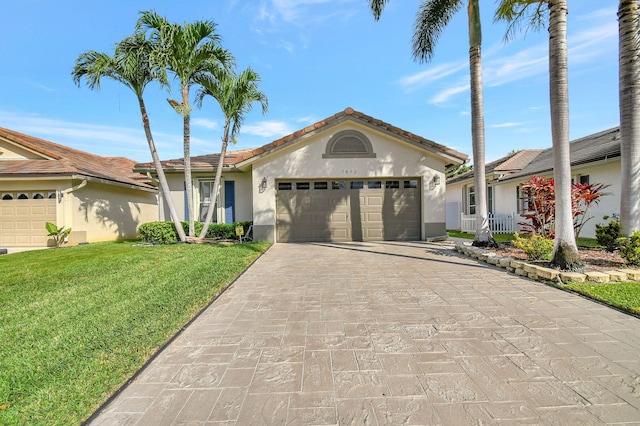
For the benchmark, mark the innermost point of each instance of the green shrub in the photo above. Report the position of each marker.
(607, 235)
(158, 233)
(630, 248)
(535, 247)
(165, 232)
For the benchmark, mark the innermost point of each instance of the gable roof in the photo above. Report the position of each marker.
(243, 157)
(59, 160)
(510, 163)
(599, 146)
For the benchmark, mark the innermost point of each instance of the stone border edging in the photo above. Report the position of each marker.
(540, 273)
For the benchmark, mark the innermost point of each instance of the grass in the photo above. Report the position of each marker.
(501, 238)
(77, 322)
(625, 296)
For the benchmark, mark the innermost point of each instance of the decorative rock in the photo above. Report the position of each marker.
(572, 276)
(632, 274)
(616, 276)
(532, 275)
(520, 271)
(597, 277)
(505, 262)
(547, 273)
(493, 260)
(530, 269)
(516, 264)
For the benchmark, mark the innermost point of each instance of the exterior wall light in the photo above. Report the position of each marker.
(436, 180)
(263, 185)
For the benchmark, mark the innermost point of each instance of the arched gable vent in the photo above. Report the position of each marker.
(349, 144)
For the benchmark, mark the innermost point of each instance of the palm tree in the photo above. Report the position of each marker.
(433, 16)
(130, 66)
(235, 95)
(629, 28)
(565, 250)
(186, 51)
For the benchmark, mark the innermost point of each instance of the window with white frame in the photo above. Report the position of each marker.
(206, 189)
(471, 200)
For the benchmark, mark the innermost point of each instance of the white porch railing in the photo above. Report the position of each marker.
(499, 224)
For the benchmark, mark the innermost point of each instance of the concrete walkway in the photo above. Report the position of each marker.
(390, 334)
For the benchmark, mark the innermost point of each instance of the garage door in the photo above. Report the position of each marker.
(23, 217)
(348, 210)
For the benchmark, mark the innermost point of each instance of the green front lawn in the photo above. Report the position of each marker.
(77, 322)
(625, 296)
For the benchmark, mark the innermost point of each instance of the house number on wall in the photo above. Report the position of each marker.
(350, 172)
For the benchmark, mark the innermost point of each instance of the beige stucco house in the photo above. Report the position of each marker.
(349, 177)
(99, 198)
(594, 159)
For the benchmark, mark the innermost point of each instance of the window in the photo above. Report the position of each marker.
(349, 144)
(411, 183)
(7, 196)
(206, 187)
(51, 195)
(338, 184)
(584, 179)
(471, 200)
(392, 184)
(522, 200)
(38, 196)
(320, 185)
(357, 184)
(284, 186)
(490, 199)
(374, 184)
(23, 196)
(303, 185)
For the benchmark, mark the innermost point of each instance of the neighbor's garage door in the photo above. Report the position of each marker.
(23, 217)
(348, 210)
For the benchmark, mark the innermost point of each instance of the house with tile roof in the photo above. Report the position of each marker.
(99, 198)
(349, 177)
(594, 159)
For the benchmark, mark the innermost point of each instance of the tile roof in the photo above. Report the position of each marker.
(207, 162)
(596, 147)
(60, 160)
(510, 163)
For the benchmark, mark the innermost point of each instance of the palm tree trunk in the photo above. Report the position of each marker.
(188, 184)
(164, 186)
(483, 235)
(565, 250)
(483, 232)
(629, 28)
(216, 182)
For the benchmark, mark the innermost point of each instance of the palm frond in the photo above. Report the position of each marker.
(522, 15)
(377, 6)
(431, 19)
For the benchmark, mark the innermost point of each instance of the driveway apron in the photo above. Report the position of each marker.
(389, 334)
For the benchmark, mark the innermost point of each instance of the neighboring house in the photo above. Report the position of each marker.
(461, 195)
(348, 177)
(594, 159)
(99, 198)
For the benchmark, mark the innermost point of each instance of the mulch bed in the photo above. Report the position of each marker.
(594, 260)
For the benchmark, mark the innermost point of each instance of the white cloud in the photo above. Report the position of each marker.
(443, 96)
(207, 124)
(503, 125)
(419, 80)
(268, 129)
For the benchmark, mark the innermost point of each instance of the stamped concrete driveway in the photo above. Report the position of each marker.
(390, 333)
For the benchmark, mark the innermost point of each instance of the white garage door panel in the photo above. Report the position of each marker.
(364, 213)
(22, 222)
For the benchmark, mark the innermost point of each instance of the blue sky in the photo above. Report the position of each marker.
(315, 57)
